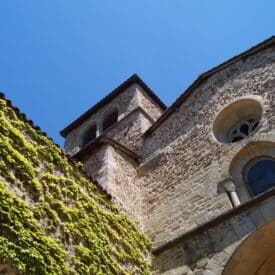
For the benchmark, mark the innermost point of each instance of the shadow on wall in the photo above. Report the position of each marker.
(5, 269)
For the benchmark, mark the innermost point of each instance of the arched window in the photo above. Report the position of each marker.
(89, 135)
(260, 175)
(109, 120)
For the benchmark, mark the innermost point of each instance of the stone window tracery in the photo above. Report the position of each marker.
(243, 129)
(238, 120)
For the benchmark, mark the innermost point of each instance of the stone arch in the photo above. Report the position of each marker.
(256, 254)
(238, 163)
(245, 145)
(243, 112)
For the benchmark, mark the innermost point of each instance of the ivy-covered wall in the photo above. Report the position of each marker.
(53, 219)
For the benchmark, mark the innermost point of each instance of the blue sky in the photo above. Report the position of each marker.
(60, 57)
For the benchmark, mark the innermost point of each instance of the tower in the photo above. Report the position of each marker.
(198, 177)
(108, 139)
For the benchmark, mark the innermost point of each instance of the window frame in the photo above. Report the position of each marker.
(107, 116)
(85, 134)
(233, 114)
(255, 120)
(246, 169)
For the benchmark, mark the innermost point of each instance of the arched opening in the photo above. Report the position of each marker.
(256, 254)
(253, 169)
(89, 135)
(238, 120)
(109, 120)
(260, 175)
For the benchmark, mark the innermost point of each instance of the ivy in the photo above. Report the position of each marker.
(53, 220)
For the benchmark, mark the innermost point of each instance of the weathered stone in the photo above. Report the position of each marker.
(181, 182)
(202, 263)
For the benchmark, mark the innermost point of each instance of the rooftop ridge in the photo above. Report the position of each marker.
(134, 79)
(253, 50)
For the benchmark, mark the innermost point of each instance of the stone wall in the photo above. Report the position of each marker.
(178, 187)
(174, 206)
(96, 165)
(127, 193)
(147, 104)
(116, 173)
(184, 163)
(125, 103)
(208, 250)
(129, 131)
(53, 219)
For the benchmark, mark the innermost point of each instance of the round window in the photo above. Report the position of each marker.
(243, 129)
(238, 120)
(260, 175)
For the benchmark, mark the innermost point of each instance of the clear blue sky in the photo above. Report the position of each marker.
(59, 57)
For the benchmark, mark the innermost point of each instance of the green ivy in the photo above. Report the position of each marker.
(53, 220)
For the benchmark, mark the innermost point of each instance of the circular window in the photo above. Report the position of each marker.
(260, 175)
(243, 129)
(237, 121)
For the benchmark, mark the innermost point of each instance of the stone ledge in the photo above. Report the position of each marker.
(231, 213)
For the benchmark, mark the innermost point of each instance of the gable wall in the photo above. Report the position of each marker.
(148, 105)
(183, 162)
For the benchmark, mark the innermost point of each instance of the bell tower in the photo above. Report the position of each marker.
(108, 139)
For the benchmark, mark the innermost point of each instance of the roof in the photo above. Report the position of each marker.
(102, 140)
(134, 79)
(259, 47)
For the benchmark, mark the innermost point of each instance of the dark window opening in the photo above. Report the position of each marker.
(255, 125)
(110, 120)
(260, 176)
(89, 135)
(245, 129)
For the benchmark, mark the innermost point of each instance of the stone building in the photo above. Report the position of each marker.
(53, 218)
(198, 176)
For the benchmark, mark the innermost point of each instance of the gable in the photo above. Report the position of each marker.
(134, 79)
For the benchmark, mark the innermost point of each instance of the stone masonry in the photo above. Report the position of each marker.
(167, 168)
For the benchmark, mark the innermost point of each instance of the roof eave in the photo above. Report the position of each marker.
(255, 49)
(104, 140)
(134, 79)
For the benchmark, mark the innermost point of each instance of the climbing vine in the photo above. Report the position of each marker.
(53, 220)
